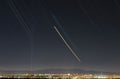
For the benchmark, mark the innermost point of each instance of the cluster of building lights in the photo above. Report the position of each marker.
(58, 76)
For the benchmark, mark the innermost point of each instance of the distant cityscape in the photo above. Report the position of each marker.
(61, 76)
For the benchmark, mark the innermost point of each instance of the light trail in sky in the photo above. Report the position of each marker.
(19, 16)
(86, 13)
(78, 59)
(56, 22)
(25, 25)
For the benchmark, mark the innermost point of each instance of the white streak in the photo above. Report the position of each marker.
(67, 44)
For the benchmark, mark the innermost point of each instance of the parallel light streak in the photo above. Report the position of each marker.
(78, 59)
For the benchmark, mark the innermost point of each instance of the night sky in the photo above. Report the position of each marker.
(91, 27)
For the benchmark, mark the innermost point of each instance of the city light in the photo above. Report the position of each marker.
(60, 76)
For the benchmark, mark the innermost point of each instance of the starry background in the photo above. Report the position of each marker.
(91, 27)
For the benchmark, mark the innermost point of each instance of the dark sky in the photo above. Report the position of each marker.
(91, 27)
